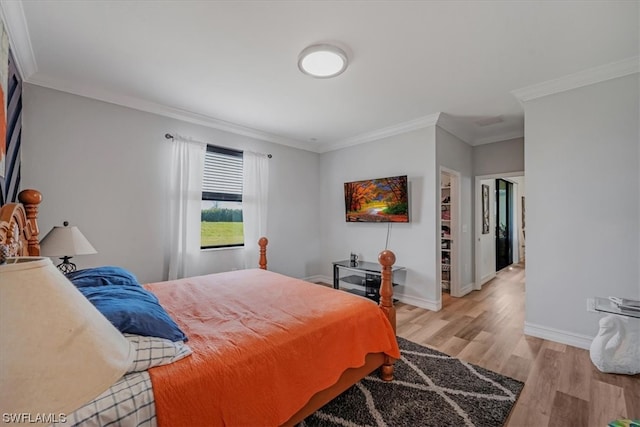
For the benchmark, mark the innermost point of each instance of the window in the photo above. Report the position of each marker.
(221, 213)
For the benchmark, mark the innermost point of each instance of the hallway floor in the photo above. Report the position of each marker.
(562, 387)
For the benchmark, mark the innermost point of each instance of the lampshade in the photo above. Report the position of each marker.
(57, 351)
(65, 241)
(322, 61)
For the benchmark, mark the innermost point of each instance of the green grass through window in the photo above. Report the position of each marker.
(221, 233)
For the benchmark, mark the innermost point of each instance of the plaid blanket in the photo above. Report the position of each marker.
(129, 402)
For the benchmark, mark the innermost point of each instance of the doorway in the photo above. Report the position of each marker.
(485, 234)
(449, 228)
(504, 226)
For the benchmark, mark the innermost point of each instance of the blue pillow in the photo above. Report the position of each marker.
(133, 310)
(102, 276)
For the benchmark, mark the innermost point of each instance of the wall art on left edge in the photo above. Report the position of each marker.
(4, 80)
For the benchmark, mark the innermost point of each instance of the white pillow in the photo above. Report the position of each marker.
(154, 351)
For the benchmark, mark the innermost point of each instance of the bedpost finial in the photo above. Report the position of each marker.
(387, 258)
(262, 262)
(30, 197)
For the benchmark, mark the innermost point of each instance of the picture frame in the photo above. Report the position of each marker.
(523, 214)
(485, 209)
(4, 81)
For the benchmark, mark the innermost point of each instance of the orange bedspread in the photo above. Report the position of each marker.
(263, 344)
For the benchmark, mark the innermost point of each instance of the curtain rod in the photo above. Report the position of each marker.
(169, 136)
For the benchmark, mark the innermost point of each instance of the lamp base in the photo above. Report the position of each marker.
(65, 266)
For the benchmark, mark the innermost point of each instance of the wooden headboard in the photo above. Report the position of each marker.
(19, 224)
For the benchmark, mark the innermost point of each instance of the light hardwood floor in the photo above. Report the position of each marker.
(562, 387)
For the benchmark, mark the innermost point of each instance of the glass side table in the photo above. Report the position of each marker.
(365, 276)
(604, 305)
(616, 348)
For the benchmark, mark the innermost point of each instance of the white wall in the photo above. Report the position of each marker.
(414, 243)
(518, 231)
(486, 268)
(583, 215)
(455, 154)
(103, 168)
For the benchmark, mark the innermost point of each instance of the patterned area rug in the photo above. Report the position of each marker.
(429, 389)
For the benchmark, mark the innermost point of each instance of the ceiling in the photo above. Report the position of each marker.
(233, 64)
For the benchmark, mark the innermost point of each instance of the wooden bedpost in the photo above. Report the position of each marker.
(30, 199)
(386, 260)
(262, 263)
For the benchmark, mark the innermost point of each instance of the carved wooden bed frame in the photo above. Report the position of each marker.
(19, 224)
(19, 232)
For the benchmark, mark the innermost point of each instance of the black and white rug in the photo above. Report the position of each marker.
(429, 389)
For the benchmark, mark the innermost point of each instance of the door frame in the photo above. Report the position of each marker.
(510, 220)
(454, 285)
(477, 190)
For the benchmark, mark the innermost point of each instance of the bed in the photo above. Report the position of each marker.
(265, 349)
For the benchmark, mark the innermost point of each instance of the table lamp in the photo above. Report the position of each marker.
(65, 242)
(57, 351)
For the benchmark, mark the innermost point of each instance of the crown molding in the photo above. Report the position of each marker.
(467, 135)
(499, 138)
(588, 77)
(397, 129)
(451, 125)
(200, 119)
(163, 110)
(12, 14)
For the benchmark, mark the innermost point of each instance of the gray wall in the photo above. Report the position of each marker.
(499, 157)
(455, 154)
(582, 163)
(103, 168)
(414, 244)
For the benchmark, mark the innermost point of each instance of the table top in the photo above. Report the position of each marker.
(373, 267)
(604, 305)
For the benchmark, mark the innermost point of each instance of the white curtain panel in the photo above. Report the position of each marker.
(185, 186)
(254, 204)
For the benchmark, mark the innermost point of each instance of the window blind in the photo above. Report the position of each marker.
(222, 172)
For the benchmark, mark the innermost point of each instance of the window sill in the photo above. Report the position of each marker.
(221, 249)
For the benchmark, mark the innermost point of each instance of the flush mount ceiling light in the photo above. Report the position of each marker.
(322, 61)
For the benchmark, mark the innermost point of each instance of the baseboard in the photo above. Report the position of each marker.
(319, 278)
(419, 302)
(467, 288)
(486, 278)
(557, 335)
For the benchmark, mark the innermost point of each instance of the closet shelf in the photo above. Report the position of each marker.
(448, 224)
